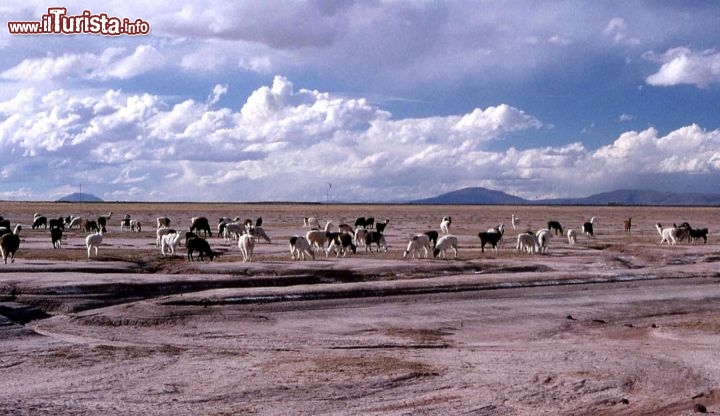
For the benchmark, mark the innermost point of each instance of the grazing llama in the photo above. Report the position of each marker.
(9, 243)
(94, 241)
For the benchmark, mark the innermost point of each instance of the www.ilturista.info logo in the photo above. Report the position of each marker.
(56, 21)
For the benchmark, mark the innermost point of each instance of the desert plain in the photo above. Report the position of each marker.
(615, 324)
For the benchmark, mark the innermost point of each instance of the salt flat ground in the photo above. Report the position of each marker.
(616, 324)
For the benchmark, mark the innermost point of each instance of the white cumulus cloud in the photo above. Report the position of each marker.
(685, 66)
(145, 58)
(111, 63)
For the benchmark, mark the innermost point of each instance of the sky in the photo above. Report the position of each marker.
(358, 101)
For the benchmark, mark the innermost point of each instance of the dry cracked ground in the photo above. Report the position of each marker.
(613, 325)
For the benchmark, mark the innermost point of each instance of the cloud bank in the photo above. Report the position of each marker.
(286, 143)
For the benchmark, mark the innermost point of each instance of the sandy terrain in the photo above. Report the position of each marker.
(616, 324)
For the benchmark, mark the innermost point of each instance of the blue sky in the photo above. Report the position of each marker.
(385, 100)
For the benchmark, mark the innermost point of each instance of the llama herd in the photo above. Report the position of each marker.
(344, 238)
(341, 239)
(684, 231)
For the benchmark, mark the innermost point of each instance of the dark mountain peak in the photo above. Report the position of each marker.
(79, 197)
(474, 195)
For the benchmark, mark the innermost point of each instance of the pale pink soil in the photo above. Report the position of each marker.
(613, 325)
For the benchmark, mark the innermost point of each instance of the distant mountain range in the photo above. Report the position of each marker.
(483, 196)
(79, 197)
